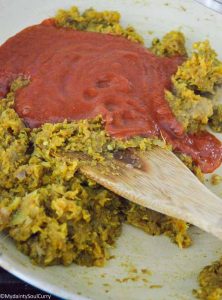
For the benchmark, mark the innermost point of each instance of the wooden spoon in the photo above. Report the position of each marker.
(160, 181)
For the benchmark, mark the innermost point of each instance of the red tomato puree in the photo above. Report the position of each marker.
(77, 75)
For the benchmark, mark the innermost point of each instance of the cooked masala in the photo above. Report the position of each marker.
(90, 86)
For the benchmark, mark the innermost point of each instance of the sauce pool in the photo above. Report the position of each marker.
(79, 75)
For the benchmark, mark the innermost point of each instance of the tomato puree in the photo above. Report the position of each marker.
(77, 75)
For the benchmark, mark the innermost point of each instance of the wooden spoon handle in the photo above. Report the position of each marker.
(163, 183)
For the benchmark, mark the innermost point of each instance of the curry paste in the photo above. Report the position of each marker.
(79, 75)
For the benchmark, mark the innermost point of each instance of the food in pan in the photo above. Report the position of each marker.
(83, 83)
